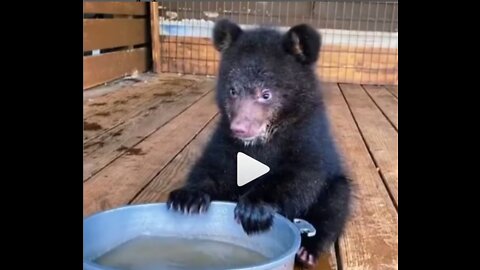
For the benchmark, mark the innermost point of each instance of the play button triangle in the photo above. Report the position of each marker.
(249, 169)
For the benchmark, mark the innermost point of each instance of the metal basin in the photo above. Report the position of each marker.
(104, 231)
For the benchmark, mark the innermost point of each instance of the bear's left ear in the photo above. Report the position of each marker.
(303, 42)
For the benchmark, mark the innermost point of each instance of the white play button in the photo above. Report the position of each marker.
(249, 169)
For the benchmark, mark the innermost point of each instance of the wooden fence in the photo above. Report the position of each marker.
(116, 41)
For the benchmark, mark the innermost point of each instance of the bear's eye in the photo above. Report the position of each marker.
(266, 94)
(233, 92)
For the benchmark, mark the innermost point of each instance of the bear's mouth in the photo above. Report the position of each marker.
(260, 138)
(252, 141)
(248, 139)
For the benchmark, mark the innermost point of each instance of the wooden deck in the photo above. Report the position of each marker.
(140, 139)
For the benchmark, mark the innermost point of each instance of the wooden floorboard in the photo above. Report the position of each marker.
(327, 261)
(385, 102)
(101, 151)
(371, 238)
(393, 89)
(119, 182)
(174, 174)
(103, 113)
(381, 138)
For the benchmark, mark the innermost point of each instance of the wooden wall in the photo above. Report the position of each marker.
(115, 41)
(346, 64)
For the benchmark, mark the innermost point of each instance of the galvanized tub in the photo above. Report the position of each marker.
(107, 230)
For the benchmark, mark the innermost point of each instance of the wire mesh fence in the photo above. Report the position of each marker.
(360, 38)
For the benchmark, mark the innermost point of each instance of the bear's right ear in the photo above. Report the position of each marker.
(225, 33)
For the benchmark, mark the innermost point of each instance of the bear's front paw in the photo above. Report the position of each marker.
(188, 201)
(255, 217)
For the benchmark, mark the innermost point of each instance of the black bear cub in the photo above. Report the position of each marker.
(271, 109)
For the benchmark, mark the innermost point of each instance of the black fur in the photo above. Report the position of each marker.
(306, 178)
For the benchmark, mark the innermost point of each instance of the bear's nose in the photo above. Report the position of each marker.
(239, 128)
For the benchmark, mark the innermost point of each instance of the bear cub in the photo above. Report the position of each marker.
(271, 109)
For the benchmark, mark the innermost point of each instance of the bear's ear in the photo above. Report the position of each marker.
(303, 42)
(225, 33)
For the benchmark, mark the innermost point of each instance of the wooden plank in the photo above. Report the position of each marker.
(174, 175)
(356, 75)
(350, 64)
(337, 63)
(393, 89)
(113, 33)
(119, 182)
(186, 66)
(106, 67)
(189, 55)
(122, 139)
(141, 79)
(135, 8)
(124, 109)
(327, 74)
(327, 261)
(115, 108)
(155, 37)
(385, 101)
(371, 237)
(380, 136)
(120, 92)
(376, 52)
